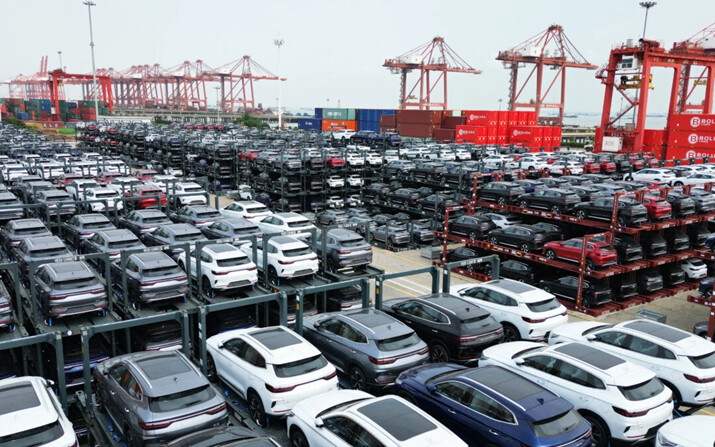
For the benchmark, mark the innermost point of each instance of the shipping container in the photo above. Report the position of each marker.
(388, 121)
(310, 124)
(339, 114)
(338, 124)
(451, 122)
(318, 112)
(689, 121)
(419, 116)
(444, 135)
(415, 130)
(372, 115)
(692, 139)
(503, 117)
(682, 153)
(368, 125)
(513, 117)
(523, 118)
(523, 134)
(481, 117)
(467, 133)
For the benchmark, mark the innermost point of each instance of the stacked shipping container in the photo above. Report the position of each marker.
(507, 127)
(41, 110)
(691, 136)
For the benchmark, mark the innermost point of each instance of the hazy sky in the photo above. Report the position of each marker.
(335, 49)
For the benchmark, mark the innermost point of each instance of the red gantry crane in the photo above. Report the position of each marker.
(550, 48)
(239, 76)
(629, 68)
(435, 56)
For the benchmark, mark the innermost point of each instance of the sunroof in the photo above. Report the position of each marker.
(164, 366)
(275, 338)
(504, 382)
(17, 398)
(663, 332)
(594, 357)
(370, 319)
(396, 418)
(512, 286)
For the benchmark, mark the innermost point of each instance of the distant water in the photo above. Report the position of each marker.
(593, 120)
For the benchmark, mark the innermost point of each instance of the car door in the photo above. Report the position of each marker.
(419, 317)
(112, 389)
(572, 249)
(449, 406)
(539, 199)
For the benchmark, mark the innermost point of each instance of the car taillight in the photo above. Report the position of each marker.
(533, 320)
(58, 297)
(698, 379)
(285, 262)
(248, 217)
(383, 361)
(217, 409)
(280, 390)
(220, 273)
(200, 222)
(4, 305)
(313, 258)
(344, 252)
(154, 425)
(629, 414)
(114, 253)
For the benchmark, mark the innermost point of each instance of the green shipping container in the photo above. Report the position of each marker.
(339, 114)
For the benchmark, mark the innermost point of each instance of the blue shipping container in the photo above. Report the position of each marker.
(372, 115)
(319, 112)
(310, 124)
(23, 115)
(368, 125)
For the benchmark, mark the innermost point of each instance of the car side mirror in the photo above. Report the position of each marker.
(519, 362)
(49, 383)
(590, 337)
(220, 345)
(319, 422)
(431, 388)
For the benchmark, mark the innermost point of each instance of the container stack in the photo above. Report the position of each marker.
(690, 136)
(369, 119)
(41, 111)
(337, 119)
(419, 123)
(495, 127)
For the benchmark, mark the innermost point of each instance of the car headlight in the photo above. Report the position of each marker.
(663, 441)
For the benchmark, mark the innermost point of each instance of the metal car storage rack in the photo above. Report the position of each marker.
(610, 229)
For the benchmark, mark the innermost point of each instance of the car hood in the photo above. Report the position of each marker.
(692, 430)
(572, 331)
(308, 409)
(423, 373)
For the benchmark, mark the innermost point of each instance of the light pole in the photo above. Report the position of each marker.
(62, 67)
(218, 105)
(327, 100)
(647, 6)
(279, 43)
(94, 69)
(499, 101)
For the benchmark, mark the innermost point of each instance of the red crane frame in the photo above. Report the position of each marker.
(435, 56)
(534, 51)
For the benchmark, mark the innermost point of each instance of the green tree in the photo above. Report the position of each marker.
(13, 121)
(251, 121)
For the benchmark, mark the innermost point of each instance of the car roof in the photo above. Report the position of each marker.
(92, 218)
(286, 240)
(27, 223)
(280, 345)
(224, 250)
(377, 323)
(664, 334)
(181, 228)
(594, 357)
(164, 372)
(399, 420)
(524, 292)
(120, 234)
(454, 305)
(69, 270)
(152, 259)
(148, 213)
(291, 216)
(44, 240)
(25, 405)
(342, 234)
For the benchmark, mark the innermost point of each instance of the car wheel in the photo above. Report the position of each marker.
(581, 214)
(255, 409)
(206, 287)
(600, 430)
(621, 222)
(676, 394)
(510, 333)
(438, 353)
(708, 293)
(678, 184)
(523, 204)
(546, 289)
(488, 270)
(297, 438)
(472, 235)
(211, 373)
(550, 254)
(493, 240)
(130, 438)
(501, 201)
(590, 265)
(357, 379)
(525, 248)
(556, 209)
(272, 275)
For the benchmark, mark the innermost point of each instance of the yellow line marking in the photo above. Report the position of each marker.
(583, 317)
(707, 412)
(399, 290)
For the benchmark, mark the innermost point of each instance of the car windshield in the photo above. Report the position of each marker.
(161, 271)
(95, 225)
(605, 248)
(184, 399)
(397, 343)
(37, 436)
(299, 367)
(208, 215)
(557, 425)
(188, 237)
(156, 219)
(704, 361)
(233, 261)
(293, 252)
(124, 244)
(47, 252)
(476, 322)
(298, 223)
(258, 209)
(352, 243)
(26, 231)
(193, 190)
(543, 306)
(642, 391)
(74, 283)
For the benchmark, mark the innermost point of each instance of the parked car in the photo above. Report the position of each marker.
(111, 243)
(224, 267)
(33, 415)
(501, 192)
(154, 397)
(454, 329)
(694, 268)
(555, 200)
(553, 232)
(472, 226)
(83, 226)
(684, 362)
(704, 200)
(525, 311)
(287, 258)
(390, 234)
(10, 207)
(623, 287)
(673, 274)
(617, 389)
(344, 248)
(689, 431)
(15, 231)
(518, 271)
(524, 237)
(351, 418)
(173, 234)
(250, 210)
(38, 249)
(272, 368)
(384, 347)
(494, 406)
(57, 202)
(683, 206)
(697, 234)
(593, 293)
(141, 222)
(332, 217)
(627, 249)
(598, 254)
(286, 223)
(676, 240)
(235, 227)
(629, 213)
(151, 277)
(653, 245)
(649, 281)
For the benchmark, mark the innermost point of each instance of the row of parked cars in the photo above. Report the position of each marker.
(633, 375)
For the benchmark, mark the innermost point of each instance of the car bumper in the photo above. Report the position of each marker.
(383, 377)
(302, 269)
(280, 404)
(150, 295)
(77, 306)
(699, 273)
(643, 427)
(236, 280)
(632, 255)
(699, 394)
(159, 438)
(540, 331)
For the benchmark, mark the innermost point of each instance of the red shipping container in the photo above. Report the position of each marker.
(467, 133)
(388, 121)
(451, 122)
(689, 121)
(415, 130)
(683, 153)
(691, 139)
(339, 124)
(481, 140)
(513, 117)
(419, 116)
(503, 117)
(523, 118)
(502, 130)
(530, 118)
(653, 137)
(537, 140)
(501, 139)
(546, 132)
(520, 134)
(492, 134)
(481, 117)
(445, 135)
